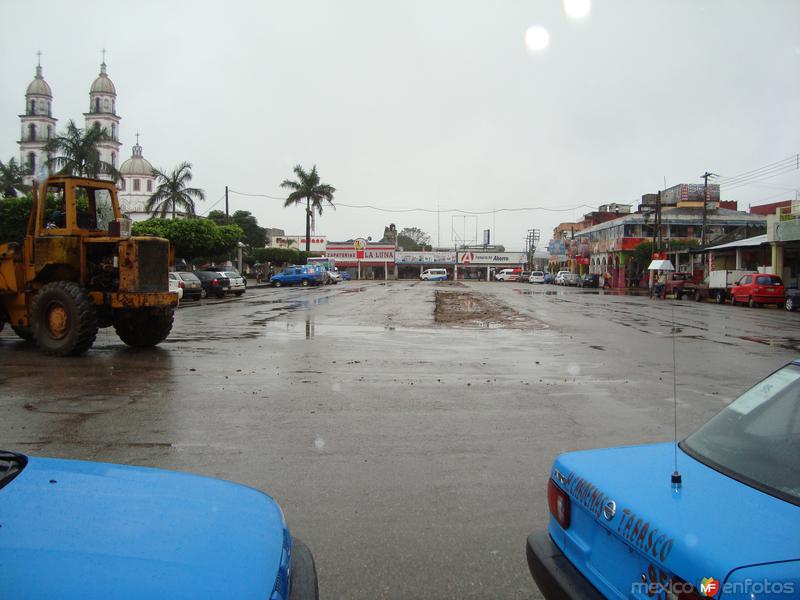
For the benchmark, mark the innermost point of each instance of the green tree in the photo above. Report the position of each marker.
(308, 188)
(218, 216)
(172, 192)
(192, 238)
(75, 153)
(12, 179)
(254, 236)
(14, 214)
(643, 254)
(413, 239)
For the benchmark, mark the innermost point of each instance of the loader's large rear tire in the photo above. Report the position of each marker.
(143, 328)
(63, 319)
(24, 332)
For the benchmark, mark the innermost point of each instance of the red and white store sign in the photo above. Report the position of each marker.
(347, 255)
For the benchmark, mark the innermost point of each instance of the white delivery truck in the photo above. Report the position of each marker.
(718, 284)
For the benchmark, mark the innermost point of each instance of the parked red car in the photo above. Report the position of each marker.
(757, 289)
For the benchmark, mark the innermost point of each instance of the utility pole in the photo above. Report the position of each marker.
(227, 216)
(657, 226)
(531, 240)
(705, 177)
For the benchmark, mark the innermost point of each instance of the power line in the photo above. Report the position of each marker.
(256, 195)
(430, 210)
(759, 177)
(208, 210)
(789, 162)
(757, 181)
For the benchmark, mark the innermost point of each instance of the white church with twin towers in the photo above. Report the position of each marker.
(38, 126)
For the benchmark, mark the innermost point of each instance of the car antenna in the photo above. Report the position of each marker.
(676, 476)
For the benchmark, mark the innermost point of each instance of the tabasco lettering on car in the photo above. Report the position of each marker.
(657, 520)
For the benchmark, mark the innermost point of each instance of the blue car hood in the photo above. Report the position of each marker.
(713, 525)
(71, 529)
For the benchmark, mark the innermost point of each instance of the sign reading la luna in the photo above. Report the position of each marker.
(350, 254)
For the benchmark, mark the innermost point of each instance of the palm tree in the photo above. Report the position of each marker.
(173, 193)
(76, 152)
(308, 188)
(12, 179)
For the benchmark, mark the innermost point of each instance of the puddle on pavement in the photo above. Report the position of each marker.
(79, 405)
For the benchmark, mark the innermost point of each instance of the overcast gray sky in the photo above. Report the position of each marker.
(412, 103)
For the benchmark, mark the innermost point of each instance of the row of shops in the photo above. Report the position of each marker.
(365, 260)
(735, 240)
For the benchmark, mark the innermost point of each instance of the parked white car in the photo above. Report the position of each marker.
(559, 280)
(536, 277)
(175, 286)
(333, 276)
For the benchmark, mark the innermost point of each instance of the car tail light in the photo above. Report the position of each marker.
(558, 501)
(214, 282)
(181, 285)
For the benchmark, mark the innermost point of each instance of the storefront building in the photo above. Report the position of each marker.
(610, 247)
(362, 259)
(483, 265)
(410, 265)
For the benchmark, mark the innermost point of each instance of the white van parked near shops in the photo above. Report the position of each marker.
(434, 275)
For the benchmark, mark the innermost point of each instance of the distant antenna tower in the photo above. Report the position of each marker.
(464, 230)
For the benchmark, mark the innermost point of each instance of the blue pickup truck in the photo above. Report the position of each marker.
(304, 275)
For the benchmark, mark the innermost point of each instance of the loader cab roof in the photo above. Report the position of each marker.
(76, 206)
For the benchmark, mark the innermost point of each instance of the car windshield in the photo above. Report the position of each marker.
(231, 274)
(188, 276)
(756, 438)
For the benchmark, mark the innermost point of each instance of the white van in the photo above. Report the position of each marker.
(434, 275)
(508, 275)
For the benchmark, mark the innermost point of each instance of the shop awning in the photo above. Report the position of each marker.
(746, 243)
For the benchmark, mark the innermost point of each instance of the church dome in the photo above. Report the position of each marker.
(103, 83)
(136, 164)
(39, 85)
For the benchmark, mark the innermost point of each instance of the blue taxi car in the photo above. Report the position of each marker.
(83, 530)
(624, 523)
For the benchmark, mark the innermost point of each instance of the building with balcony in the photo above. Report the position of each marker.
(611, 246)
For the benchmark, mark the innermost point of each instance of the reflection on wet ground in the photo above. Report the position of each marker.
(358, 408)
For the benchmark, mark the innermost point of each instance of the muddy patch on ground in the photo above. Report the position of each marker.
(471, 309)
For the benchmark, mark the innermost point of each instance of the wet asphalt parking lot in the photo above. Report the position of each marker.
(411, 456)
